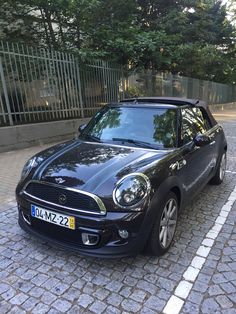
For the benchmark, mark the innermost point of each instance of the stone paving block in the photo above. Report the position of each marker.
(190, 308)
(112, 310)
(47, 297)
(215, 290)
(183, 289)
(228, 287)
(19, 298)
(138, 295)
(40, 308)
(29, 304)
(98, 307)
(114, 299)
(101, 293)
(114, 286)
(36, 292)
(59, 289)
(61, 305)
(85, 300)
(155, 303)
(224, 302)
(131, 306)
(173, 306)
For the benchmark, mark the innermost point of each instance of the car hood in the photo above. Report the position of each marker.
(88, 166)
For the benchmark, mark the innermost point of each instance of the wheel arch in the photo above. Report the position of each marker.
(176, 190)
(171, 184)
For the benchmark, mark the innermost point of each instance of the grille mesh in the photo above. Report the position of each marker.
(75, 200)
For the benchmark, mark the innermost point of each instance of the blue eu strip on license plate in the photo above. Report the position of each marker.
(33, 210)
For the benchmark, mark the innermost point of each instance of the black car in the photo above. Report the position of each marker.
(119, 187)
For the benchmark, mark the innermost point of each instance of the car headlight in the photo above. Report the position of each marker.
(131, 190)
(31, 163)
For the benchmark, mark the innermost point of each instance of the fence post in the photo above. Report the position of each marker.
(4, 86)
(79, 85)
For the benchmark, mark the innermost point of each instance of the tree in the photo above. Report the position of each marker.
(190, 37)
(16, 23)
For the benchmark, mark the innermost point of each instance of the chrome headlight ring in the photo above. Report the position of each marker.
(30, 164)
(131, 191)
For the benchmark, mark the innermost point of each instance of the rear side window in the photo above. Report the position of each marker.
(193, 123)
(188, 130)
(201, 120)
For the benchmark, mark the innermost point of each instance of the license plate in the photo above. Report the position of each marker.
(53, 217)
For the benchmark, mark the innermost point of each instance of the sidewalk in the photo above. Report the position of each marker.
(11, 164)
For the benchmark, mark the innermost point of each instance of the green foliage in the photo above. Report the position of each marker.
(189, 37)
(134, 91)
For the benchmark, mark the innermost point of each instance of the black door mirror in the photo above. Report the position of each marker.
(81, 128)
(201, 140)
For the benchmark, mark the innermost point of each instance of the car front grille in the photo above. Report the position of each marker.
(64, 197)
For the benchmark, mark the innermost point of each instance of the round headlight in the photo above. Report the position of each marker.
(131, 190)
(31, 163)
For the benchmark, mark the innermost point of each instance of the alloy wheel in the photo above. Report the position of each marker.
(168, 223)
(222, 166)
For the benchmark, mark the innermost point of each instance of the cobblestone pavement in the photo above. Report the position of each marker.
(38, 278)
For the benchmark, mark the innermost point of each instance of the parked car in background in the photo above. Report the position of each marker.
(119, 187)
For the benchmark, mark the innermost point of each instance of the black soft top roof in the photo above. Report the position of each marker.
(167, 100)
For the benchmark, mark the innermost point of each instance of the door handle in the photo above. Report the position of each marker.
(178, 164)
(181, 163)
(212, 143)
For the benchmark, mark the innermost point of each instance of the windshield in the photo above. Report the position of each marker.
(144, 127)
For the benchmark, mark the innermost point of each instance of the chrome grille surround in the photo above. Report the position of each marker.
(98, 201)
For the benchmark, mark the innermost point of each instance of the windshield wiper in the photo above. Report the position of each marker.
(135, 142)
(90, 137)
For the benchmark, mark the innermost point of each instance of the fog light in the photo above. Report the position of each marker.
(123, 234)
(89, 238)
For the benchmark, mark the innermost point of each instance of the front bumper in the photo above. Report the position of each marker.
(106, 228)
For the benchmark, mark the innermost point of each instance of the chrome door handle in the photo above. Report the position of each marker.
(181, 163)
(178, 164)
(212, 143)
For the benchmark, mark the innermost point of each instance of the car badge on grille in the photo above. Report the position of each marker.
(59, 180)
(62, 199)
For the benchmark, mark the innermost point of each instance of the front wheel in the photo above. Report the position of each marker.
(220, 172)
(164, 228)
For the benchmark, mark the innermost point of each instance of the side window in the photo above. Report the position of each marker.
(206, 119)
(201, 124)
(188, 131)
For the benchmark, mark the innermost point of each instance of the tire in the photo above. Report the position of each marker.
(162, 233)
(220, 172)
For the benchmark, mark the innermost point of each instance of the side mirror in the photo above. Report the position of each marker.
(81, 128)
(201, 140)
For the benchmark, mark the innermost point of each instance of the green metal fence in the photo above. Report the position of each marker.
(166, 84)
(39, 85)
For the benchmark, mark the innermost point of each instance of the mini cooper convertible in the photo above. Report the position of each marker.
(118, 187)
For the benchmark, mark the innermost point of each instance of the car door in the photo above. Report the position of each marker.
(195, 163)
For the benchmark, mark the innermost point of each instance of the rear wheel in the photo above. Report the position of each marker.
(164, 228)
(220, 173)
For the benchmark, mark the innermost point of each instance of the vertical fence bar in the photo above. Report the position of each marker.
(19, 86)
(3, 110)
(15, 100)
(79, 89)
(4, 86)
(21, 78)
(30, 57)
